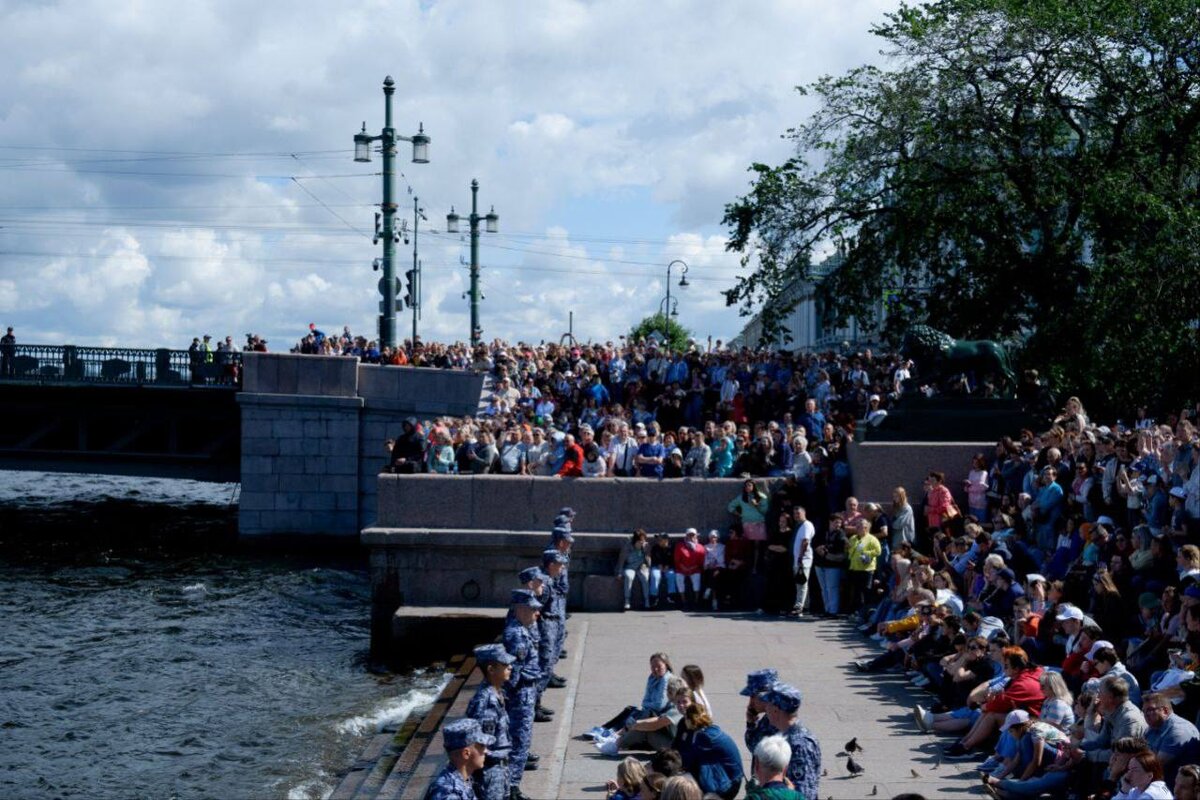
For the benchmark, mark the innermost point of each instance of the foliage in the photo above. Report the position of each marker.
(675, 334)
(1021, 169)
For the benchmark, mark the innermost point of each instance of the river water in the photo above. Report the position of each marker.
(144, 652)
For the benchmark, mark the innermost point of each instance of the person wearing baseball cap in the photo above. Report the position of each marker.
(561, 540)
(534, 579)
(466, 747)
(488, 708)
(551, 625)
(521, 642)
(783, 710)
(758, 726)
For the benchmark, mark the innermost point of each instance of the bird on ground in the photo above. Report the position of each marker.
(915, 774)
(853, 766)
(824, 773)
(874, 791)
(852, 746)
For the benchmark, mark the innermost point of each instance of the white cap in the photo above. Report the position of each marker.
(1179, 492)
(1018, 717)
(1106, 520)
(1069, 612)
(1097, 647)
(1034, 577)
(690, 532)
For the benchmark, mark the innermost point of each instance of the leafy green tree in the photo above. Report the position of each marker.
(669, 330)
(1021, 169)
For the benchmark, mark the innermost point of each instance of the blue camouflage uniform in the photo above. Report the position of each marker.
(521, 689)
(804, 770)
(551, 622)
(562, 583)
(489, 709)
(757, 683)
(449, 784)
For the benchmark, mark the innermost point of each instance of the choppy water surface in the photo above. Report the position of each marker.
(144, 653)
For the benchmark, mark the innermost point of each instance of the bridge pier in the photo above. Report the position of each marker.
(313, 433)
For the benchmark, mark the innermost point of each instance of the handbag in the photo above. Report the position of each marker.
(801, 578)
(952, 511)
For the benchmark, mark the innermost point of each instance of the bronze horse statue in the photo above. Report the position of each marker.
(940, 357)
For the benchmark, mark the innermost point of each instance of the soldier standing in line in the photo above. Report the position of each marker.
(466, 747)
(487, 708)
(783, 710)
(550, 623)
(538, 582)
(521, 687)
(561, 540)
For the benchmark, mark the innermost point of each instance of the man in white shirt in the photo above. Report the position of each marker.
(802, 557)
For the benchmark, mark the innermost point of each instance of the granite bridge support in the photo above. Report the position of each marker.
(313, 433)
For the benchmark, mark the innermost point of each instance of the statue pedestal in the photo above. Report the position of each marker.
(876, 468)
(952, 419)
(922, 434)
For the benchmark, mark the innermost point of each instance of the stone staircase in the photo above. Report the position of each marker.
(397, 765)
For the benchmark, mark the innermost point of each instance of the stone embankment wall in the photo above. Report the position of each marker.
(313, 433)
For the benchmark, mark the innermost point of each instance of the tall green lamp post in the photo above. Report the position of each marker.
(387, 231)
(492, 223)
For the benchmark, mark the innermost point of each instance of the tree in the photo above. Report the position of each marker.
(1020, 170)
(657, 325)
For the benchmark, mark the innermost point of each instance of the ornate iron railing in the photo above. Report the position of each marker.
(41, 363)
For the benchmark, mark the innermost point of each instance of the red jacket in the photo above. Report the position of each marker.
(689, 561)
(1023, 691)
(573, 463)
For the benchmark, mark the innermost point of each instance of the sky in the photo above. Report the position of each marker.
(174, 169)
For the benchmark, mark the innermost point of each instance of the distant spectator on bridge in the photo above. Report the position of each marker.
(8, 354)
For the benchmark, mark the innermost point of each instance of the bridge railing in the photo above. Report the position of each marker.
(42, 363)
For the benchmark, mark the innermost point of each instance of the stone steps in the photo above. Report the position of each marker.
(398, 765)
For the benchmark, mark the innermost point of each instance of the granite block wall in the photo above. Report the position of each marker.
(299, 464)
(528, 503)
(478, 568)
(313, 436)
(879, 467)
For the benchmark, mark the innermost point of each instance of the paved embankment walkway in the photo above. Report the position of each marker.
(606, 668)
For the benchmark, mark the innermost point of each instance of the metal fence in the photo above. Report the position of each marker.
(41, 363)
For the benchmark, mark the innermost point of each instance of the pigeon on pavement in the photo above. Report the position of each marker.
(852, 746)
(853, 767)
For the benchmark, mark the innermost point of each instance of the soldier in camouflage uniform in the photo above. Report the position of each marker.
(488, 708)
(783, 709)
(466, 747)
(521, 642)
(551, 620)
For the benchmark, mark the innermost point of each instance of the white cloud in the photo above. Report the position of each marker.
(616, 130)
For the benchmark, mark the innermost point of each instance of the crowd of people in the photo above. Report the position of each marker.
(638, 410)
(1046, 613)
(1054, 621)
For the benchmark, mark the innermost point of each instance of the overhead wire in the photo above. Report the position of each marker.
(334, 262)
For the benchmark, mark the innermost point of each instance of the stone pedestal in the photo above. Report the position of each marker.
(877, 468)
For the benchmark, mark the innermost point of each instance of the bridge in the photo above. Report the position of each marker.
(154, 412)
(303, 434)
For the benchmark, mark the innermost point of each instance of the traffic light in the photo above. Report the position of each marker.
(410, 288)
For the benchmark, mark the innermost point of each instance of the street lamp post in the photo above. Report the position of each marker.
(362, 153)
(665, 306)
(492, 225)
